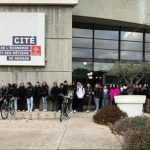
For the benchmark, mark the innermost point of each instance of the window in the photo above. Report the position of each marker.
(82, 65)
(81, 42)
(131, 36)
(147, 47)
(104, 34)
(76, 32)
(131, 46)
(135, 46)
(106, 44)
(131, 55)
(82, 53)
(102, 66)
(106, 54)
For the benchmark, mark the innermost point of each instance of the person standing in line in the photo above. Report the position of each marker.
(62, 91)
(37, 96)
(3, 94)
(66, 87)
(88, 96)
(114, 91)
(105, 96)
(80, 96)
(29, 96)
(22, 97)
(44, 94)
(137, 90)
(97, 94)
(54, 95)
(75, 100)
(70, 94)
(9, 91)
(15, 95)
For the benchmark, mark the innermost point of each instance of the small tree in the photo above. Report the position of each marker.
(131, 73)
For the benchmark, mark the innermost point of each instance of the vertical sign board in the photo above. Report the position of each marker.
(22, 39)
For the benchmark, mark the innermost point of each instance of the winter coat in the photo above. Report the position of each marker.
(65, 89)
(80, 92)
(105, 94)
(97, 93)
(137, 91)
(114, 92)
(37, 91)
(15, 92)
(29, 92)
(22, 91)
(62, 91)
(44, 91)
(88, 91)
(3, 92)
(54, 92)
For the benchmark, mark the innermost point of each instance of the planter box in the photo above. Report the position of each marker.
(131, 104)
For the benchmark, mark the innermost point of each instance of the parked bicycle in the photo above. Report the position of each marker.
(64, 108)
(7, 107)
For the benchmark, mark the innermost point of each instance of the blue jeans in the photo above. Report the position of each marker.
(15, 100)
(96, 100)
(105, 102)
(44, 100)
(30, 104)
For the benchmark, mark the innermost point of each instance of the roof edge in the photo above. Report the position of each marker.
(39, 2)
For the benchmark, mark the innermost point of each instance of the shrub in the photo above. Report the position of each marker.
(137, 139)
(136, 132)
(136, 123)
(108, 114)
(120, 126)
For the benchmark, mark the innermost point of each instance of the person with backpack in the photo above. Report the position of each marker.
(80, 92)
(44, 94)
(29, 96)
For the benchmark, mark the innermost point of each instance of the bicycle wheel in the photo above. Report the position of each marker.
(12, 108)
(66, 113)
(4, 111)
(61, 112)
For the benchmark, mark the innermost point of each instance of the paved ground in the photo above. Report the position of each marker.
(79, 132)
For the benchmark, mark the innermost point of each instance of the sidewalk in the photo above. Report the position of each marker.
(79, 132)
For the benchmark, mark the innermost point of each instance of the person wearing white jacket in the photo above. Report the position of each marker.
(80, 95)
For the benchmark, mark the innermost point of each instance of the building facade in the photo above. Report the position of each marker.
(83, 36)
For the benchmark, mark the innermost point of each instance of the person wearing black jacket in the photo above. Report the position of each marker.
(44, 94)
(37, 96)
(22, 97)
(15, 95)
(66, 87)
(97, 95)
(3, 94)
(62, 90)
(3, 91)
(29, 96)
(54, 95)
(137, 90)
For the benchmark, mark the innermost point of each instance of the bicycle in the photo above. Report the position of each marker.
(7, 106)
(64, 108)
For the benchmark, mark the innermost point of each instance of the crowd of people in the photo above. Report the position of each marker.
(28, 97)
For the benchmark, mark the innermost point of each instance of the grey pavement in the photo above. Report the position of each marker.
(79, 132)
